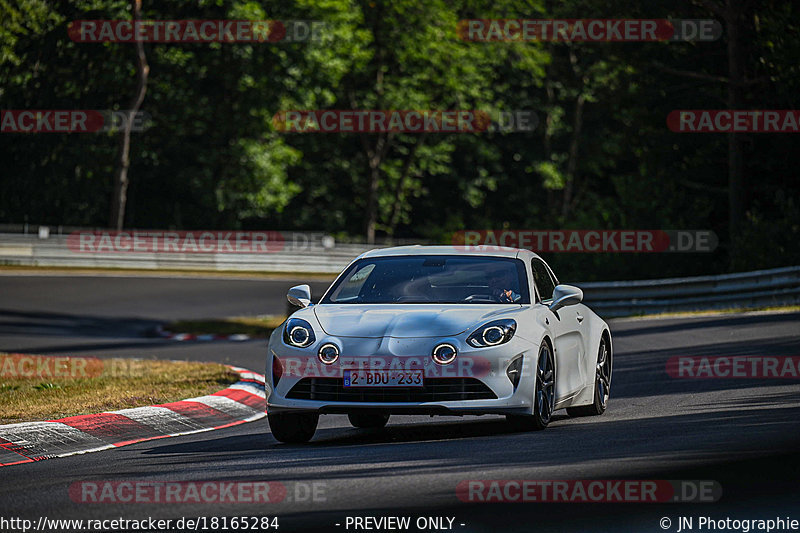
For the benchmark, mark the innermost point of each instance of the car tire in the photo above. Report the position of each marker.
(368, 420)
(543, 394)
(602, 385)
(293, 428)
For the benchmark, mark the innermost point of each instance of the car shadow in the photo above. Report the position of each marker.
(47, 324)
(451, 448)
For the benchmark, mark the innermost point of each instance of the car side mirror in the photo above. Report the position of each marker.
(564, 295)
(299, 295)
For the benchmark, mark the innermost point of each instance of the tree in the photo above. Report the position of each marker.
(120, 195)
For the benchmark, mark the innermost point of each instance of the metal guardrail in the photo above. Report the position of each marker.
(304, 256)
(762, 288)
(776, 287)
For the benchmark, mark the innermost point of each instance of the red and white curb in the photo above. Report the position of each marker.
(237, 337)
(27, 442)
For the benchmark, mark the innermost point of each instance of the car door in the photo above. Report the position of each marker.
(565, 327)
(586, 353)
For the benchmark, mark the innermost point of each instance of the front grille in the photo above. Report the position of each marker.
(434, 390)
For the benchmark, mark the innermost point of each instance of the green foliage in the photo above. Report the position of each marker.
(600, 157)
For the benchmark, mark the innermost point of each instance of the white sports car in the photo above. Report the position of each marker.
(438, 330)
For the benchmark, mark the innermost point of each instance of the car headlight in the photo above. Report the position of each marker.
(328, 353)
(444, 353)
(493, 334)
(298, 333)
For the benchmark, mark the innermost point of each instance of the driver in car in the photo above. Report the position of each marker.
(501, 283)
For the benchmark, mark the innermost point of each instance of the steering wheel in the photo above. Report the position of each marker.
(479, 298)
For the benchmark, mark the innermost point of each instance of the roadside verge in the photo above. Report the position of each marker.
(27, 442)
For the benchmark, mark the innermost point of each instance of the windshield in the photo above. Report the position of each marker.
(441, 279)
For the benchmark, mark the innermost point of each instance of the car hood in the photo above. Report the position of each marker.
(405, 320)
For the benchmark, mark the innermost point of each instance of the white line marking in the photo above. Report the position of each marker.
(163, 420)
(230, 407)
(54, 439)
(252, 388)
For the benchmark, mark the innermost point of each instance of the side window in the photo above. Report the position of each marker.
(543, 280)
(351, 288)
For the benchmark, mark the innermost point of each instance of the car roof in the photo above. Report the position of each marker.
(486, 251)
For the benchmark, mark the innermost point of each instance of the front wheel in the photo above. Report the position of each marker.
(602, 385)
(368, 420)
(293, 428)
(544, 394)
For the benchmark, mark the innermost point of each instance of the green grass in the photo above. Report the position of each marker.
(255, 326)
(31, 391)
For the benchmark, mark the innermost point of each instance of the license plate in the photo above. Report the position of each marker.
(383, 378)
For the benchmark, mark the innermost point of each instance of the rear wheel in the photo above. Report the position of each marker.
(368, 420)
(293, 427)
(602, 385)
(544, 394)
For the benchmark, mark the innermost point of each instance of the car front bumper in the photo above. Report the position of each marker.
(477, 368)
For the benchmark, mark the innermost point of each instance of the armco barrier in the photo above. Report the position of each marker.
(780, 286)
(27, 250)
(762, 288)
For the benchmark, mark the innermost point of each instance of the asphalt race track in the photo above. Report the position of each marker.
(102, 316)
(742, 433)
